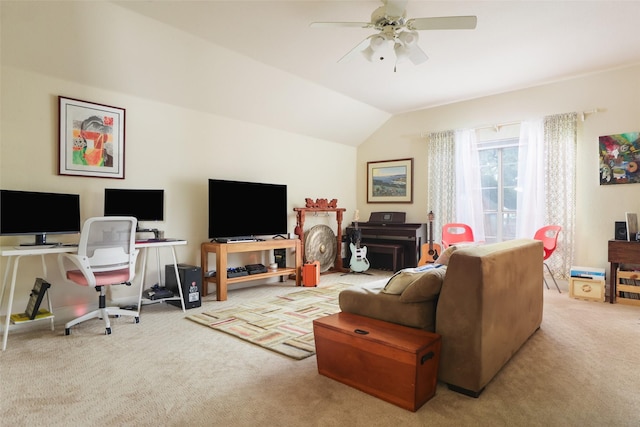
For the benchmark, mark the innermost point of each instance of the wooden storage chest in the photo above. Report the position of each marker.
(392, 362)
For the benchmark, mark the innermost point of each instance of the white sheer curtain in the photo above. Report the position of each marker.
(546, 178)
(531, 189)
(468, 184)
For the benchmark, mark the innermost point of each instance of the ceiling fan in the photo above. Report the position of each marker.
(397, 34)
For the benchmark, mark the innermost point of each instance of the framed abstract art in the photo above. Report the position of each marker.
(91, 139)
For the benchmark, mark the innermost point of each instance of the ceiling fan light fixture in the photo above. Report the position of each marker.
(408, 38)
(377, 42)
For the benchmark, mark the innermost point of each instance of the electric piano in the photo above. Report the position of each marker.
(389, 228)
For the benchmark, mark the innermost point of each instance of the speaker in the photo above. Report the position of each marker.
(280, 257)
(621, 230)
(191, 281)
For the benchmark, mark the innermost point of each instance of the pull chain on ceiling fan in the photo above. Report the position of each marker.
(397, 34)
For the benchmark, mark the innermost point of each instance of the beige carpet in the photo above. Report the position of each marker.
(580, 369)
(283, 324)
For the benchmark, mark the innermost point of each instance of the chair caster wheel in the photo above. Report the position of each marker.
(107, 331)
(136, 319)
(67, 331)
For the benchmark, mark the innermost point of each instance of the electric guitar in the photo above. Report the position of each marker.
(430, 251)
(359, 262)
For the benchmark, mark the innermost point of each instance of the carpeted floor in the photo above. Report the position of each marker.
(579, 369)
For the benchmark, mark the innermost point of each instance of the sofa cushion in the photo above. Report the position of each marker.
(426, 287)
(419, 284)
(399, 282)
(446, 254)
(369, 301)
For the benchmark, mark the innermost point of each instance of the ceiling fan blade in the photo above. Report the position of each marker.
(340, 24)
(417, 56)
(353, 52)
(443, 23)
(395, 8)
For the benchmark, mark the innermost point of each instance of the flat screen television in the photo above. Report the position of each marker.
(38, 213)
(144, 204)
(245, 209)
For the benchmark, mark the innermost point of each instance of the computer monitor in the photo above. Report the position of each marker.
(38, 213)
(144, 204)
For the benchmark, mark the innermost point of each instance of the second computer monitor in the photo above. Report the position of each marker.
(144, 204)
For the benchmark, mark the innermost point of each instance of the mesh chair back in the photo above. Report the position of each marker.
(108, 242)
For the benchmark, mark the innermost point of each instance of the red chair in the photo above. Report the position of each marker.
(549, 237)
(456, 233)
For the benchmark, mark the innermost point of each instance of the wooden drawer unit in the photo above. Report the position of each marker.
(392, 362)
(587, 289)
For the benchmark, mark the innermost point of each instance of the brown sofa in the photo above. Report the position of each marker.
(488, 304)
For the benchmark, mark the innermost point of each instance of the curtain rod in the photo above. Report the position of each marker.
(498, 126)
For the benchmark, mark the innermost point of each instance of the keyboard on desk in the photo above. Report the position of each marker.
(155, 240)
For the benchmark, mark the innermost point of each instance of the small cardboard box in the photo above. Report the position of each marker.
(587, 289)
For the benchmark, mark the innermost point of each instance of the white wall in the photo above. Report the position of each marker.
(167, 146)
(615, 93)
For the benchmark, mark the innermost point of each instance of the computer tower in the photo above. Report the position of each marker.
(191, 280)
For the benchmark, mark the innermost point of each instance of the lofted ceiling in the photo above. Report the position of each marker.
(516, 44)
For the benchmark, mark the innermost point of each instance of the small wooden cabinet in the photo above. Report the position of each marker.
(628, 287)
(221, 250)
(620, 252)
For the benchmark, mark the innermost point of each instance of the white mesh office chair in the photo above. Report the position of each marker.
(106, 256)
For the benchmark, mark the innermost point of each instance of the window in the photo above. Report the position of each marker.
(499, 181)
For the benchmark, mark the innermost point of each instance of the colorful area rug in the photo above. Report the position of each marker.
(283, 324)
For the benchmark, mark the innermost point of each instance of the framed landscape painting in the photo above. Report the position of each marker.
(390, 181)
(91, 139)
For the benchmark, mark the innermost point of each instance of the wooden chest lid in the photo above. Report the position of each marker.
(386, 333)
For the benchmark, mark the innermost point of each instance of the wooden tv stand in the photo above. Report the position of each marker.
(221, 251)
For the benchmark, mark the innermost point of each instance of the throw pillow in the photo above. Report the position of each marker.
(399, 282)
(446, 254)
(426, 286)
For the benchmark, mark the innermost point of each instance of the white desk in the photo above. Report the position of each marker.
(157, 245)
(16, 254)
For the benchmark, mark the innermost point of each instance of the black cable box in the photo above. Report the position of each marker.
(256, 268)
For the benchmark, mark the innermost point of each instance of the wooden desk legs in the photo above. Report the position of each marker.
(613, 281)
(221, 277)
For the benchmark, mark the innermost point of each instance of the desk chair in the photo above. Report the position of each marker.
(106, 256)
(549, 237)
(456, 232)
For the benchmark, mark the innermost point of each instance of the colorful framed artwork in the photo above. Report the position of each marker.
(390, 181)
(91, 139)
(620, 158)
